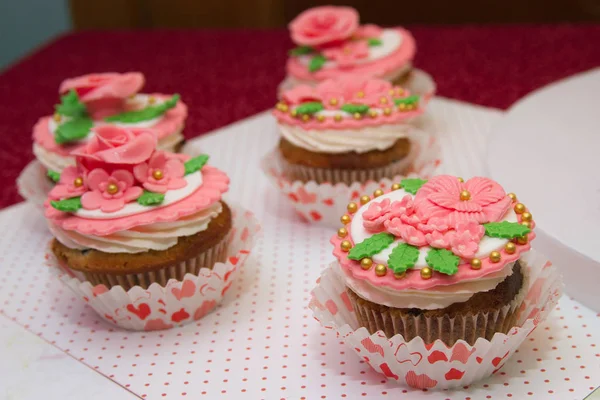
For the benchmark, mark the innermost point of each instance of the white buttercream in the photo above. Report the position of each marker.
(359, 234)
(158, 236)
(341, 141)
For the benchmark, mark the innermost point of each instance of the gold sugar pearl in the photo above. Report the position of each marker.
(345, 219)
(366, 263)
(284, 107)
(380, 270)
(305, 117)
(399, 91)
(112, 188)
(510, 248)
(461, 180)
(391, 92)
(400, 275)
(151, 100)
(396, 186)
(333, 101)
(526, 223)
(522, 240)
(519, 208)
(342, 232)
(373, 113)
(475, 263)
(157, 174)
(294, 113)
(426, 273)
(526, 216)
(360, 94)
(378, 193)
(78, 182)
(387, 111)
(383, 100)
(410, 107)
(357, 115)
(495, 256)
(57, 117)
(352, 207)
(465, 195)
(365, 199)
(402, 107)
(512, 196)
(320, 118)
(345, 245)
(337, 118)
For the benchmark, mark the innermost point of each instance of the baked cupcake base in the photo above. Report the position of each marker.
(189, 255)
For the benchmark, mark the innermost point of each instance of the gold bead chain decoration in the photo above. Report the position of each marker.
(357, 115)
(157, 174)
(402, 107)
(282, 107)
(373, 114)
(78, 182)
(410, 107)
(526, 223)
(337, 117)
(526, 216)
(112, 188)
(352, 207)
(345, 219)
(320, 118)
(495, 256)
(512, 196)
(294, 113)
(396, 186)
(465, 195)
(378, 193)
(380, 270)
(342, 232)
(510, 248)
(57, 117)
(366, 263)
(365, 199)
(519, 208)
(305, 117)
(475, 263)
(400, 275)
(426, 273)
(387, 111)
(345, 245)
(383, 100)
(522, 240)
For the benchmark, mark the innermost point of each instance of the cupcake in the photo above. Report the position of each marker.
(346, 129)
(95, 100)
(128, 214)
(440, 259)
(330, 42)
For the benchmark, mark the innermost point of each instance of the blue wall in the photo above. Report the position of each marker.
(26, 24)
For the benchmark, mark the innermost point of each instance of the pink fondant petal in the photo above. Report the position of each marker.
(96, 178)
(132, 193)
(153, 187)
(158, 160)
(123, 176)
(92, 200)
(174, 168)
(140, 172)
(112, 205)
(484, 190)
(495, 212)
(176, 183)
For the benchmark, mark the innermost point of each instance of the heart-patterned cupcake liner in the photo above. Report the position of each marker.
(435, 365)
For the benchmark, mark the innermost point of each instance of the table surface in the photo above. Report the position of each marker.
(227, 75)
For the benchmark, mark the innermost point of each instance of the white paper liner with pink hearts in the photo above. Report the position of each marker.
(325, 203)
(177, 303)
(436, 366)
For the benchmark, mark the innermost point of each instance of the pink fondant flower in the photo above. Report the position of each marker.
(376, 215)
(300, 94)
(323, 25)
(347, 54)
(161, 173)
(115, 145)
(331, 93)
(439, 240)
(465, 241)
(109, 193)
(72, 183)
(402, 207)
(440, 197)
(408, 233)
(104, 94)
(368, 31)
(434, 224)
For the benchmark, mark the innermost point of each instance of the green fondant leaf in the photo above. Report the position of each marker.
(68, 205)
(70, 105)
(443, 261)
(412, 185)
(375, 42)
(355, 108)
(371, 246)
(145, 114)
(403, 257)
(316, 63)
(301, 50)
(309, 108)
(195, 163)
(150, 198)
(55, 176)
(505, 229)
(75, 129)
(410, 100)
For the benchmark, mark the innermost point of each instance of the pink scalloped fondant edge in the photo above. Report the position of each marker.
(413, 280)
(171, 122)
(377, 68)
(214, 183)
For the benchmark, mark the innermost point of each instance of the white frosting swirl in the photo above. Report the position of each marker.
(345, 140)
(157, 236)
(431, 299)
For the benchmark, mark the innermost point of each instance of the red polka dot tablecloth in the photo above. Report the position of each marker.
(262, 342)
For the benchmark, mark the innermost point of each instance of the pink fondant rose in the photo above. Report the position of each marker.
(324, 25)
(114, 145)
(72, 183)
(444, 197)
(104, 94)
(349, 54)
(109, 193)
(161, 173)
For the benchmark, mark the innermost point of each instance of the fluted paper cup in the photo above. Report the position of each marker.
(435, 365)
(175, 303)
(34, 185)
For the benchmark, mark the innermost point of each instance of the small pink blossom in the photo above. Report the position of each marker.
(66, 187)
(331, 93)
(323, 25)
(408, 233)
(399, 208)
(368, 31)
(465, 241)
(439, 240)
(111, 192)
(300, 94)
(348, 54)
(161, 173)
(434, 224)
(376, 215)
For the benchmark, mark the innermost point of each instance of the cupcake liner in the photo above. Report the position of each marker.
(176, 302)
(469, 327)
(436, 365)
(320, 201)
(33, 184)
